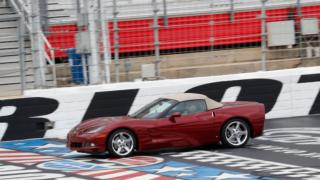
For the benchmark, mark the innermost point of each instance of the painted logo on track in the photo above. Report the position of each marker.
(100, 164)
(182, 170)
(298, 136)
(42, 146)
(277, 169)
(57, 157)
(74, 161)
(69, 165)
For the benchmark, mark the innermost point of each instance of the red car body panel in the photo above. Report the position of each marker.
(186, 131)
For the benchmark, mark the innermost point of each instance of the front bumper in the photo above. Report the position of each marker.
(89, 143)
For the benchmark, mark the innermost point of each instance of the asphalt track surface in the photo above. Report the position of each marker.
(289, 149)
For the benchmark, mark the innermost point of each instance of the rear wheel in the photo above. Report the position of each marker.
(235, 133)
(121, 143)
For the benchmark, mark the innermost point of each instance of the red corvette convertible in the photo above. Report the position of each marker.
(183, 120)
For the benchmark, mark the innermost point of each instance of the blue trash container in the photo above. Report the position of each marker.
(75, 66)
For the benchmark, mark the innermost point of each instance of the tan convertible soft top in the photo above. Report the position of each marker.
(211, 104)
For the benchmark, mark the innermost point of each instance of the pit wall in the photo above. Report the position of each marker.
(285, 93)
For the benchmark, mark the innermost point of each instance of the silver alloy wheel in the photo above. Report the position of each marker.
(122, 143)
(236, 133)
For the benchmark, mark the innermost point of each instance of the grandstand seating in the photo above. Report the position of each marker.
(9, 53)
(189, 27)
(189, 24)
(10, 77)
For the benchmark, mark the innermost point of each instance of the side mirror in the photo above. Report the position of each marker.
(174, 115)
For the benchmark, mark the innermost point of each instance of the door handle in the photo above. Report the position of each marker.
(213, 115)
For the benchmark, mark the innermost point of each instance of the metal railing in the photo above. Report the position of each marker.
(47, 49)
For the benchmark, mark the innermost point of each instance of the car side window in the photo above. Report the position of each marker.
(188, 107)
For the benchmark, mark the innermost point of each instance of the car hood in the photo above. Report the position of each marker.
(101, 121)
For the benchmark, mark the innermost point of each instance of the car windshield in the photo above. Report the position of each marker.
(154, 109)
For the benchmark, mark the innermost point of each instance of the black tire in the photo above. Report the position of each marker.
(112, 146)
(229, 137)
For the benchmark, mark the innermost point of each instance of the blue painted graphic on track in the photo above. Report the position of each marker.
(42, 146)
(70, 165)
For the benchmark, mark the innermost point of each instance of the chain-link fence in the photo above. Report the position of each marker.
(102, 41)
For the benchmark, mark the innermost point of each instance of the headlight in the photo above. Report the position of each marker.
(93, 130)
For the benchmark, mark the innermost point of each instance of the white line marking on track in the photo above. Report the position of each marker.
(33, 160)
(19, 172)
(88, 173)
(145, 177)
(25, 157)
(114, 175)
(18, 154)
(2, 149)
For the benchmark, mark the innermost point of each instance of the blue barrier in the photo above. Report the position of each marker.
(76, 66)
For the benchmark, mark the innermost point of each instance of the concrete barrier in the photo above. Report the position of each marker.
(286, 93)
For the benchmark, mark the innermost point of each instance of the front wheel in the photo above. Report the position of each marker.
(235, 133)
(121, 143)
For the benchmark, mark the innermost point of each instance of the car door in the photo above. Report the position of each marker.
(197, 129)
(194, 127)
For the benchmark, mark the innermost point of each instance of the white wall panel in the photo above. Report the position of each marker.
(292, 99)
